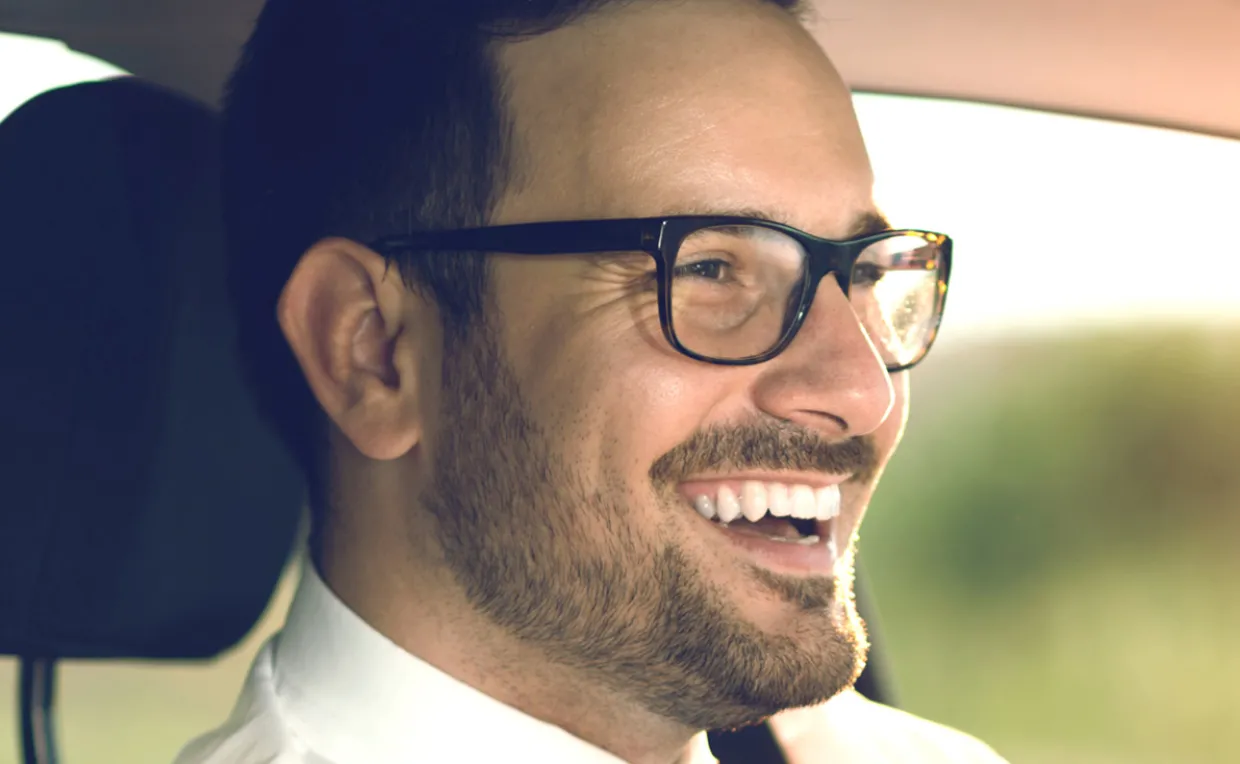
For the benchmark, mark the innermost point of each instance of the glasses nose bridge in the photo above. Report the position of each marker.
(822, 257)
(829, 257)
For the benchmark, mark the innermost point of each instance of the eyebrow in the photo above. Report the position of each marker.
(867, 223)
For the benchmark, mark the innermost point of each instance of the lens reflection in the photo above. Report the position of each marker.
(895, 291)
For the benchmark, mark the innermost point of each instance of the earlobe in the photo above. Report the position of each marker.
(344, 316)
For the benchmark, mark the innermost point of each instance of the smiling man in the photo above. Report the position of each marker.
(598, 348)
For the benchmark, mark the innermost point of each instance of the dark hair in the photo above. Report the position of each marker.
(361, 118)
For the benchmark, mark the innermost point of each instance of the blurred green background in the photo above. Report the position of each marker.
(1055, 553)
(1056, 547)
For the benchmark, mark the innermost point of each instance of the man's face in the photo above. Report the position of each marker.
(574, 441)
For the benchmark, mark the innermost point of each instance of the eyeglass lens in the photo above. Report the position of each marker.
(736, 289)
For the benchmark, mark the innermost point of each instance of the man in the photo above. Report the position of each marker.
(589, 406)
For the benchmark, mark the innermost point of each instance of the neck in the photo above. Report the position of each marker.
(421, 608)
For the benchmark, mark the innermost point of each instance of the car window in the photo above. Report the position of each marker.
(1062, 222)
(1051, 549)
(32, 65)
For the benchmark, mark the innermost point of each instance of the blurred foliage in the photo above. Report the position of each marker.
(1056, 546)
(1052, 448)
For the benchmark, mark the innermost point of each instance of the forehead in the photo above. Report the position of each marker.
(653, 107)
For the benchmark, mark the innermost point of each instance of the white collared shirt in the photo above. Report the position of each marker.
(329, 689)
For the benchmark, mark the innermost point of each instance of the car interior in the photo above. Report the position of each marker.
(149, 512)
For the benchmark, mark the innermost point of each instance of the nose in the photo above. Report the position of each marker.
(830, 378)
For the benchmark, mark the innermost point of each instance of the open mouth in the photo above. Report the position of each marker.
(779, 512)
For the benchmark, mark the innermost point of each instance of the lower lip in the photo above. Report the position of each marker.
(816, 559)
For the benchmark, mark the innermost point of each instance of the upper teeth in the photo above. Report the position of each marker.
(780, 499)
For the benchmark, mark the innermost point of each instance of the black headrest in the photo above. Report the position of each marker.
(145, 511)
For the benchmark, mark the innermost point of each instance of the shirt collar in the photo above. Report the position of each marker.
(355, 696)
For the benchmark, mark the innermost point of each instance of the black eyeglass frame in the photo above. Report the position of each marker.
(661, 238)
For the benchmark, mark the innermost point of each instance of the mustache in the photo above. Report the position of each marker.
(770, 446)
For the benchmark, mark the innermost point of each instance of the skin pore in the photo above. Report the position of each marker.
(504, 499)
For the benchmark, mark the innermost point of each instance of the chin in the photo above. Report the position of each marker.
(808, 649)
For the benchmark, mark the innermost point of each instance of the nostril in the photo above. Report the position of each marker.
(821, 418)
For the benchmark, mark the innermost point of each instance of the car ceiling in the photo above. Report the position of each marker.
(1174, 63)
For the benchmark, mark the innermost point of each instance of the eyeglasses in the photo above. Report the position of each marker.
(735, 290)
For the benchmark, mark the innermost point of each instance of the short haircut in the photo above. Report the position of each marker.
(362, 118)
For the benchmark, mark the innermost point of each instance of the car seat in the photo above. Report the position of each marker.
(147, 512)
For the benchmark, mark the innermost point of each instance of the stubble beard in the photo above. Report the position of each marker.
(559, 565)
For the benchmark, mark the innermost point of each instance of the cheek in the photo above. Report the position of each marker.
(613, 404)
(611, 398)
(657, 408)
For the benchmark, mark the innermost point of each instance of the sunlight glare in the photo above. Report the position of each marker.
(1061, 221)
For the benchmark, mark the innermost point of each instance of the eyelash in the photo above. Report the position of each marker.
(686, 269)
(867, 273)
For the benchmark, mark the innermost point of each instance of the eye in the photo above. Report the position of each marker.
(867, 274)
(714, 269)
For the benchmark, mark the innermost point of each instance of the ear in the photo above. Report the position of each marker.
(360, 337)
